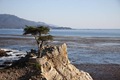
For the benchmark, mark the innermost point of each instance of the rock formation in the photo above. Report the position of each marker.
(3, 53)
(55, 65)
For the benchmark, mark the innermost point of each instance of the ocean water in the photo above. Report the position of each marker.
(95, 53)
(87, 33)
(77, 32)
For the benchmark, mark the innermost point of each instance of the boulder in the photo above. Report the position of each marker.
(55, 65)
(3, 53)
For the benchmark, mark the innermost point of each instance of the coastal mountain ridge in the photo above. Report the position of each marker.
(8, 21)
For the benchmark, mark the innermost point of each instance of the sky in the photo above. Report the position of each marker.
(79, 14)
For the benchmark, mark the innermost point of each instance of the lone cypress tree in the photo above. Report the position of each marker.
(40, 34)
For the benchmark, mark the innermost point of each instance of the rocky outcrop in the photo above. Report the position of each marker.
(9, 58)
(3, 53)
(55, 65)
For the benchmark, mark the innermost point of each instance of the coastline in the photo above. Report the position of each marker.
(101, 71)
(106, 71)
(94, 50)
(97, 71)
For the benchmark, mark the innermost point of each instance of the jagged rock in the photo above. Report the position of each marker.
(55, 65)
(3, 53)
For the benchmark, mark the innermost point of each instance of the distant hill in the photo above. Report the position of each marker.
(13, 22)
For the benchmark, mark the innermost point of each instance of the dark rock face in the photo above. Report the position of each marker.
(3, 53)
(11, 58)
(55, 65)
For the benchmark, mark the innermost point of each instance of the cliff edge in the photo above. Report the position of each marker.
(55, 65)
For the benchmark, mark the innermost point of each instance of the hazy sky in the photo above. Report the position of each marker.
(98, 14)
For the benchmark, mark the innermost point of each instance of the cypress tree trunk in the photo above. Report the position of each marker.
(40, 50)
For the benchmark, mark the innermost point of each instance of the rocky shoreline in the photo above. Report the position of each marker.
(101, 71)
(97, 71)
(53, 65)
(19, 73)
(9, 57)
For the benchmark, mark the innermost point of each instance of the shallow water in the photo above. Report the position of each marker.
(97, 53)
(13, 55)
(106, 58)
(94, 50)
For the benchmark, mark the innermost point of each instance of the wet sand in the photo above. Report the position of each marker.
(103, 45)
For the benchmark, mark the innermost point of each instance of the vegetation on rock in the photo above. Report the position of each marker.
(41, 35)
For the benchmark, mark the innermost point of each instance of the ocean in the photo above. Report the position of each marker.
(94, 46)
(72, 32)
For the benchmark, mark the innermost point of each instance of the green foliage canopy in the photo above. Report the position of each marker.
(36, 30)
(41, 35)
